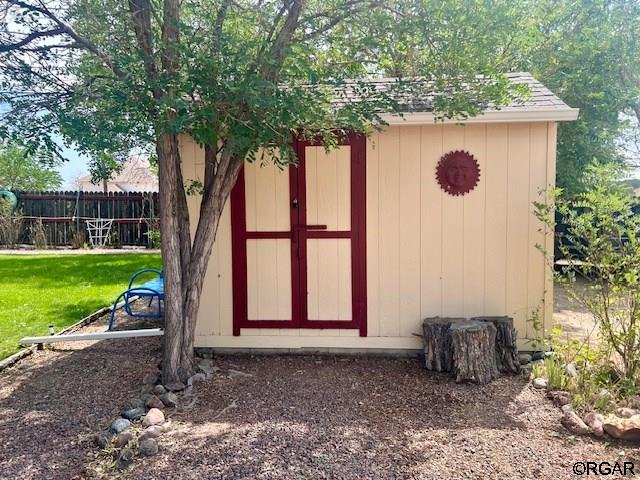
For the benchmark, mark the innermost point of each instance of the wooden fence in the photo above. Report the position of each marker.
(64, 214)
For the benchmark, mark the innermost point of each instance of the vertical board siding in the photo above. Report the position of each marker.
(462, 256)
(537, 182)
(389, 245)
(473, 203)
(430, 222)
(329, 279)
(496, 181)
(373, 238)
(428, 253)
(269, 279)
(453, 234)
(409, 214)
(518, 212)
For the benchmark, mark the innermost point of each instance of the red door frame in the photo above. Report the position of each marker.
(298, 236)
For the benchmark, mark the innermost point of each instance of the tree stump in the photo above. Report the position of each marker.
(506, 348)
(474, 351)
(438, 351)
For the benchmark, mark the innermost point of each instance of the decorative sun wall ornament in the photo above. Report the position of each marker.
(458, 172)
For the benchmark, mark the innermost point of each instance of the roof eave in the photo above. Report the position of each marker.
(497, 116)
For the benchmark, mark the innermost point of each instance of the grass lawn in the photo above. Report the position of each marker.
(41, 290)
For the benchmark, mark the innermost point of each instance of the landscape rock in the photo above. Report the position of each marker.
(120, 425)
(537, 356)
(623, 428)
(122, 439)
(571, 370)
(134, 413)
(125, 458)
(524, 358)
(154, 402)
(147, 390)
(133, 403)
(153, 417)
(148, 447)
(154, 431)
(604, 394)
(198, 377)
(102, 439)
(572, 422)
(525, 370)
(231, 373)
(169, 399)
(150, 379)
(595, 422)
(567, 408)
(626, 412)
(159, 390)
(175, 386)
(559, 397)
(540, 383)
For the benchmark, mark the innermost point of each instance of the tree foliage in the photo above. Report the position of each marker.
(602, 245)
(20, 170)
(587, 52)
(241, 77)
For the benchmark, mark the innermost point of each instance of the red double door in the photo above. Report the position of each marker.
(299, 250)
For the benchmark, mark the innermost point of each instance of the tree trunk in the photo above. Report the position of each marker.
(173, 369)
(438, 352)
(506, 348)
(474, 347)
(185, 262)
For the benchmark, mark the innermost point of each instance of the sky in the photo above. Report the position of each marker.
(75, 166)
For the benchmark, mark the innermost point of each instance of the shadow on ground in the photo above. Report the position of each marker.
(295, 417)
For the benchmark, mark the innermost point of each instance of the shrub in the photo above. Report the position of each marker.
(602, 245)
(38, 235)
(10, 224)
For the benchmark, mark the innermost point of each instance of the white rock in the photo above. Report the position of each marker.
(540, 383)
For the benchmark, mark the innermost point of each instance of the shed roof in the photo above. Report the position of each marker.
(416, 105)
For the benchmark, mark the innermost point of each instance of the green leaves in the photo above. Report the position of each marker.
(21, 170)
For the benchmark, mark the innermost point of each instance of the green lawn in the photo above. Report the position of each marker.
(41, 290)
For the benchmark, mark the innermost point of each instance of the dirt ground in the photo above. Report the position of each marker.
(574, 320)
(296, 417)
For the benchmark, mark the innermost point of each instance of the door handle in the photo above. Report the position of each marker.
(311, 227)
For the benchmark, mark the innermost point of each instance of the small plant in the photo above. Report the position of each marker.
(10, 224)
(114, 239)
(153, 232)
(602, 245)
(39, 235)
(78, 238)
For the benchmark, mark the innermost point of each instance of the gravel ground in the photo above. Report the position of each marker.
(295, 418)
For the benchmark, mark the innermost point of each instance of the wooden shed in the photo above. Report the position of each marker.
(352, 249)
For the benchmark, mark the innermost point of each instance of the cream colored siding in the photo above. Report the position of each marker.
(328, 185)
(477, 252)
(329, 279)
(267, 198)
(428, 253)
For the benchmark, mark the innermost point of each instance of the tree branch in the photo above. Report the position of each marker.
(67, 29)
(8, 47)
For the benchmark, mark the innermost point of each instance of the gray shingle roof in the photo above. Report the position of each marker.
(420, 99)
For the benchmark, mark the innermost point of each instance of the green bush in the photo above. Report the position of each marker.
(602, 245)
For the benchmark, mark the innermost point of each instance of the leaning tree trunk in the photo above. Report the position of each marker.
(474, 346)
(506, 348)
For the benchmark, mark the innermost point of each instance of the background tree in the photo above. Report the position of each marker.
(239, 76)
(587, 52)
(20, 170)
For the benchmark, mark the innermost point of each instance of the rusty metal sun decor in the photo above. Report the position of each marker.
(458, 172)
